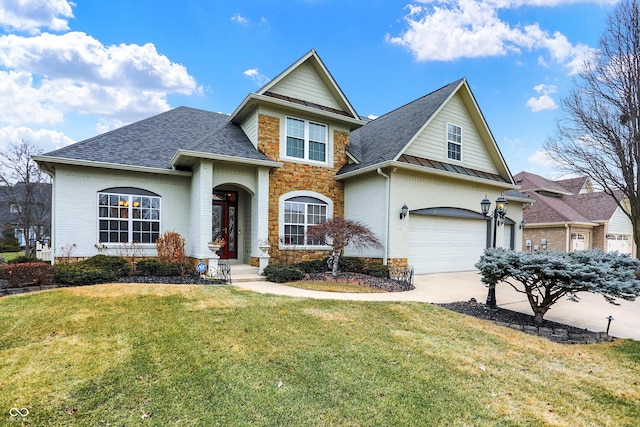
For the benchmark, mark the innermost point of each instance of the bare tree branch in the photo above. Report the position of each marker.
(25, 187)
(599, 133)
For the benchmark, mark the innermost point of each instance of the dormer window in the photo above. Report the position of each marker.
(454, 142)
(306, 140)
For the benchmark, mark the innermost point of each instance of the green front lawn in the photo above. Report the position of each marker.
(132, 354)
(8, 256)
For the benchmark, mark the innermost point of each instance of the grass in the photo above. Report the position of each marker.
(160, 355)
(334, 287)
(8, 256)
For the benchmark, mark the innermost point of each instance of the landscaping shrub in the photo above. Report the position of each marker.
(9, 243)
(170, 247)
(106, 262)
(27, 274)
(279, 273)
(312, 266)
(81, 273)
(154, 267)
(352, 264)
(377, 270)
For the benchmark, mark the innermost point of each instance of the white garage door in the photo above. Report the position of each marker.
(619, 242)
(438, 244)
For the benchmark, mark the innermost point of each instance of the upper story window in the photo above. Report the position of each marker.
(306, 140)
(15, 209)
(128, 218)
(454, 142)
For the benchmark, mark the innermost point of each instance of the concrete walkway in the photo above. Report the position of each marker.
(590, 313)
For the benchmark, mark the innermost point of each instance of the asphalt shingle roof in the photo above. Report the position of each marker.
(152, 142)
(382, 139)
(596, 206)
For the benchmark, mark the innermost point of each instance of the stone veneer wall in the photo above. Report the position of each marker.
(298, 176)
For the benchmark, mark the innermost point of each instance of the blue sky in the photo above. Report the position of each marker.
(72, 70)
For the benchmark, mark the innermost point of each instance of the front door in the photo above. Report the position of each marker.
(225, 218)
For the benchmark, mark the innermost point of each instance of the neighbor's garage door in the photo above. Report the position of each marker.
(439, 244)
(619, 242)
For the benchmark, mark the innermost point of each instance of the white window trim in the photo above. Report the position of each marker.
(119, 245)
(301, 193)
(283, 143)
(446, 146)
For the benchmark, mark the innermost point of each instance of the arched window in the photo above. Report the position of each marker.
(301, 212)
(128, 215)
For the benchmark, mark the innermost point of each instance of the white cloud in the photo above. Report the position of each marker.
(32, 15)
(541, 103)
(49, 75)
(543, 159)
(256, 76)
(239, 19)
(447, 30)
(545, 89)
(544, 101)
(47, 140)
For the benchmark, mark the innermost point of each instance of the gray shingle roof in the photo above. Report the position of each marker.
(382, 139)
(152, 142)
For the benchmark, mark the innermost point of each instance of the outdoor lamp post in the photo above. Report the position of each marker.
(498, 219)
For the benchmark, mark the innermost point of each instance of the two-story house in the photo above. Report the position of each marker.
(291, 155)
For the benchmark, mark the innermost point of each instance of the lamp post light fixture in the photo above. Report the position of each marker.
(404, 211)
(498, 219)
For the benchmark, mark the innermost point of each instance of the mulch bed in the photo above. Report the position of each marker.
(553, 331)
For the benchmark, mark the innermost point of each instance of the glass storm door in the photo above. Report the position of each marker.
(225, 215)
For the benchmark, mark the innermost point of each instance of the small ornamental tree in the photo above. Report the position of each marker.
(340, 232)
(547, 276)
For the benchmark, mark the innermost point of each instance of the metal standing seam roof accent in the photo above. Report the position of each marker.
(434, 164)
(307, 104)
(382, 139)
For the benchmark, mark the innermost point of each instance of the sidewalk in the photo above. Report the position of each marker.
(590, 313)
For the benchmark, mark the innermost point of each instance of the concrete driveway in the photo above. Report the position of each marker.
(590, 313)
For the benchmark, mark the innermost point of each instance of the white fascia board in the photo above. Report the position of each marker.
(104, 165)
(349, 155)
(548, 190)
(254, 98)
(402, 165)
(232, 159)
(519, 199)
(560, 224)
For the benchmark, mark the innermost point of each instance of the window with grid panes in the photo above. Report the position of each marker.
(298, 216)
(454, 142)
(128, 218)
(306, 140)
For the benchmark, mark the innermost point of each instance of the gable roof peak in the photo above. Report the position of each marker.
(279, 91)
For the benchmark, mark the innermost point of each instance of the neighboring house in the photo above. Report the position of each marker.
(12, 210)
(570, 215)
(291, 155)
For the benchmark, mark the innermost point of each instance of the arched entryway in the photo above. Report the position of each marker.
(231, 221)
